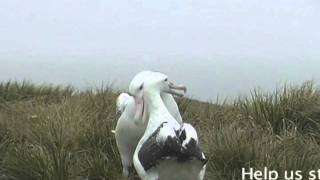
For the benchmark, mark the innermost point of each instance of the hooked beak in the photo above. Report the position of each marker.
(175, 89)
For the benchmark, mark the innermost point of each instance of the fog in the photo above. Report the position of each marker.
(217, 48)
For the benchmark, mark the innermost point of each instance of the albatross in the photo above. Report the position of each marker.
(126, 132)
(167, 150)
(129, 129)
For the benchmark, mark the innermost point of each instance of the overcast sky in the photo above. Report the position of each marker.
(215, 47)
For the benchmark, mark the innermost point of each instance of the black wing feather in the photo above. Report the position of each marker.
(152, 151)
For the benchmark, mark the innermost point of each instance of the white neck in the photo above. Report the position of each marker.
(158, 112)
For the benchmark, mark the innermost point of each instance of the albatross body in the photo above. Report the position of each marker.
(129, 130)
(127, 133)
(168, 150)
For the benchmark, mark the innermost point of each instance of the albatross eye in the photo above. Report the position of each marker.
(141, 87)
(166, 79)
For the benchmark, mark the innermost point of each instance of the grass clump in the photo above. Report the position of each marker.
(286, 108)
(57, 133)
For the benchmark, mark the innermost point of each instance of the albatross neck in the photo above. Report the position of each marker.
(158, 112)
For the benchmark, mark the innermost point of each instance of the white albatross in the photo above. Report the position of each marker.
(126, 132)
(168, 150)
(129, 130)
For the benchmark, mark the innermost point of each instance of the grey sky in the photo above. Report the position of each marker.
(216, 47)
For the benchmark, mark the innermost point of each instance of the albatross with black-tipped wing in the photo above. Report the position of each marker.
(167, 150)
(129, 130)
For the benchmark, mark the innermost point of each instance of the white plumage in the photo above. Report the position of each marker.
(127, 133)
(168, 150)
(129, 130)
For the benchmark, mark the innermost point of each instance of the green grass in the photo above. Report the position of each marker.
(57, 133)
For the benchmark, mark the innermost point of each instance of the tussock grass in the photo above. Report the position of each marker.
(289, 107)
(22, 91)
(58, 133)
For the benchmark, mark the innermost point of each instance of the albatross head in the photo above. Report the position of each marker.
(151, 83)
(122, 101)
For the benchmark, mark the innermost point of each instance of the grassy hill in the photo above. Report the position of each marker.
(59, 133)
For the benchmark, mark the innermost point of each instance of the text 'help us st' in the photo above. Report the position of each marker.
(267, 174)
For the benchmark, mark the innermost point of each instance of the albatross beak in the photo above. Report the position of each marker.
(139, 108)
(174, 88)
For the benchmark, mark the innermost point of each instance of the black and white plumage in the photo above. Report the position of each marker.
(160, 146)
(129, 130)
(167, 150)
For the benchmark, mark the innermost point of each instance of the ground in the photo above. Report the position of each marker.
(58, 133)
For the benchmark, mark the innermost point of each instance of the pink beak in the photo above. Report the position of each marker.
(174, 88)
(139, 108)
